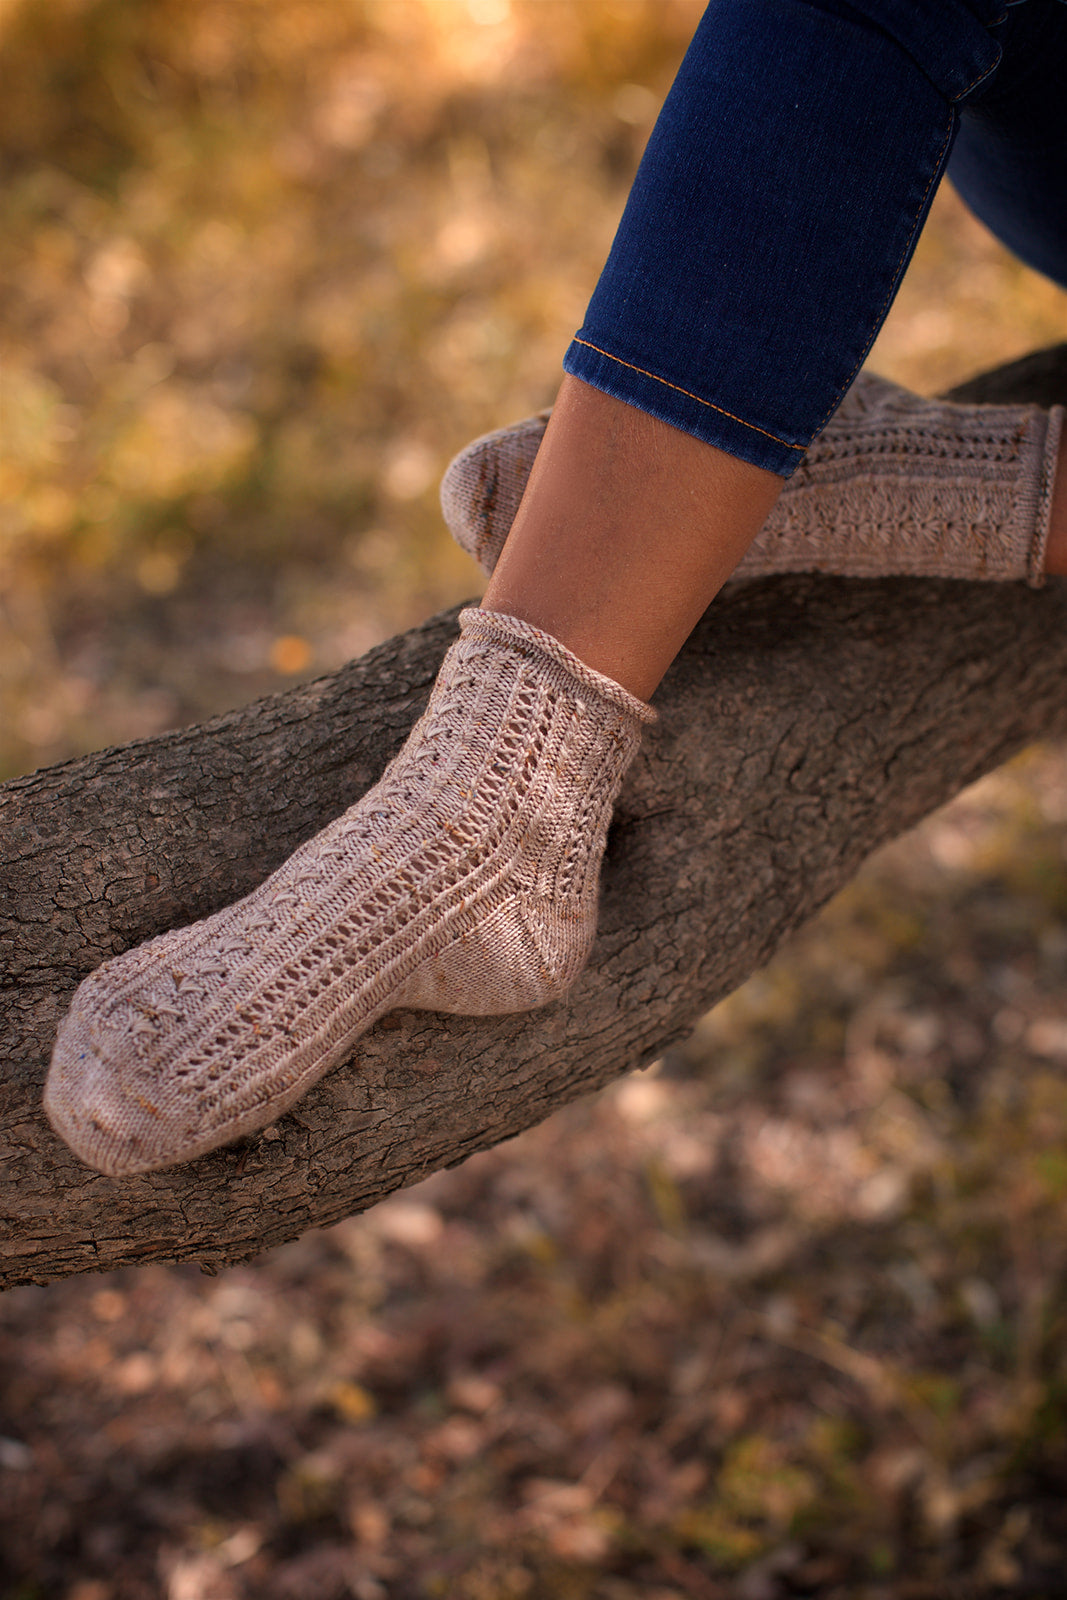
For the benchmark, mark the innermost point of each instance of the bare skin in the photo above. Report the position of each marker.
(626, 532)
(629, 528)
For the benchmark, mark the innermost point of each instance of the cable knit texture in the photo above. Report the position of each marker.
(893, 485)
(464, 881)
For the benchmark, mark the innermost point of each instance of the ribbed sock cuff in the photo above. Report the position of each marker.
(495, 626)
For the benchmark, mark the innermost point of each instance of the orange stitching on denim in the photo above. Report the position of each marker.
(956, 98)
(895, 280)
(688, 394)
(984, 73)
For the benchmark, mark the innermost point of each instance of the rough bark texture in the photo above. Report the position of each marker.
(806, 722)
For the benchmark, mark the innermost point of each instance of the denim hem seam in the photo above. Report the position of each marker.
(983, 74)
(688, 394)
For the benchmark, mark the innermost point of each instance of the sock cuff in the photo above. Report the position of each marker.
(495, 626)
(1044, 482)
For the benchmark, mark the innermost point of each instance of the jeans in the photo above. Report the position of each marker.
(783, 190)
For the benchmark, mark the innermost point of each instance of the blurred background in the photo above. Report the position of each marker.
(269, 265)
(783, 1316)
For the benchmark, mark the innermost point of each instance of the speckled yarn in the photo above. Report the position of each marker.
(465, 881)
(893, 485)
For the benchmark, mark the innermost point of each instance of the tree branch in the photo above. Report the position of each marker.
(806, 722)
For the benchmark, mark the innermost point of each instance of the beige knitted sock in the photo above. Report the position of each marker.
(893, 484)
(465, 880)
(482, 487)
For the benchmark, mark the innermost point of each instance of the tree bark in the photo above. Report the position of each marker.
(806, 722)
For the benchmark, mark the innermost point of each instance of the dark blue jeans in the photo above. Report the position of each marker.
(785, 185)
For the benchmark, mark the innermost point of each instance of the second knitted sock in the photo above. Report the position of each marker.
(893, 485)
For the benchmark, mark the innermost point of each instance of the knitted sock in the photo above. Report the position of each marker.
(482, 487)
(893, 485)
(465, 881)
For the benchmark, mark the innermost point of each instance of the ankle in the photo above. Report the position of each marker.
(627, 529)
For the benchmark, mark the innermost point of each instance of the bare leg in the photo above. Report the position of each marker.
(627, 530)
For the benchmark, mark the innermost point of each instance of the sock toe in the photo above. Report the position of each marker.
(88, 1105)
(482, 487)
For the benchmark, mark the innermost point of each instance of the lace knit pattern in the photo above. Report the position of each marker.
(894, 485)
(465, 880)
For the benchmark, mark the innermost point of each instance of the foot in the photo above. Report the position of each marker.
(464, 881)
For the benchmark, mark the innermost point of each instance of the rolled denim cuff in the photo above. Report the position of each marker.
(661, 398)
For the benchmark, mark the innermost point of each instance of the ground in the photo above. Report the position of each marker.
(782, 1316)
